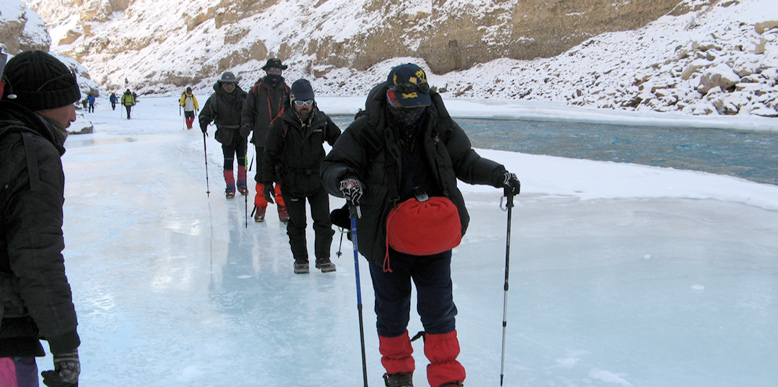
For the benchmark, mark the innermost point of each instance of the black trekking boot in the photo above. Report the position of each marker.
(400, 379)
(325, 265)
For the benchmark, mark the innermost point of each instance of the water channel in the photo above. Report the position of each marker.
(751, 155)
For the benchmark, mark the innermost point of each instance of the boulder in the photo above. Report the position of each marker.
(718, 76)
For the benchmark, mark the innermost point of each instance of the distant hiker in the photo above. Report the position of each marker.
(36, 303)
(401, 162)
(91, 99)
(265, 101)
(293, 154)
(223, 108)
(113, 98)
(189, 102)
(128, 101)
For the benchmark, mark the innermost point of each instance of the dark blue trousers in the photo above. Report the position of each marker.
(435, 300)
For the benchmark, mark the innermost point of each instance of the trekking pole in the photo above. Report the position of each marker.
(354, 213)
(246, 196)
(207, 184)
(509, 206)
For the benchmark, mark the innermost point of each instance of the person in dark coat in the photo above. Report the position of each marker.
(113, 99)
(293, 157)
(223, 107)
(36, 107)
(264, 102)
(406, 150)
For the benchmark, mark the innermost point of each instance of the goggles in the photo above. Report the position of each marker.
(407, 88)
(274, 70)
(299, 102)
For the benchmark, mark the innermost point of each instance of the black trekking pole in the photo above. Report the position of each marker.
(246, 196)
(207, 184)
(509, 206)
(354, 213)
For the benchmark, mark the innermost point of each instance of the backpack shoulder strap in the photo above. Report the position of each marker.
(32, 161)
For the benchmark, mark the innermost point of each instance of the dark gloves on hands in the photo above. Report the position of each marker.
(245, 130)
(511, 184)
(66, 370)
(352, 190)
(269, 191)
(204, 129)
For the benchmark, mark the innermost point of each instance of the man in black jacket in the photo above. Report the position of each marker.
(293, 157)
(36, 303)
(224, 107)
(406, 150)
(265, 101)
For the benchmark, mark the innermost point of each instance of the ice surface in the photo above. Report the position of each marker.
(621, 275)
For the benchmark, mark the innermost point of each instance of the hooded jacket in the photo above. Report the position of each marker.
(35, 297)
(369, 150)
(263, 104)
(223, 109)
(294, 151)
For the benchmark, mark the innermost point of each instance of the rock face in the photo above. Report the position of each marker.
(22, 29)
(448, 35)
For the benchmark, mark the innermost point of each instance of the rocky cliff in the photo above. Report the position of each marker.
(448, 35)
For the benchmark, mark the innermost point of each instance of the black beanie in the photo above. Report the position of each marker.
(40, 81)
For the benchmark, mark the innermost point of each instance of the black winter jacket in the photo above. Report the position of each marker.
(294, 151)
(35, 294)
(224, 110)
(263, 104)
(369, 151)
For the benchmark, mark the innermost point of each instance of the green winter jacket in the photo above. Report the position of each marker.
(369, 151)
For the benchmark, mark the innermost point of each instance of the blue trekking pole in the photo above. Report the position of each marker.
(354, 213)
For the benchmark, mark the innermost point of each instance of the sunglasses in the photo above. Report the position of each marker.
(276, 70)
(407, 88)
(303, 103)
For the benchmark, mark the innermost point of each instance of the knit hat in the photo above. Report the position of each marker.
(302, 90)
(274, 62)
(408, 86)
(39, 81)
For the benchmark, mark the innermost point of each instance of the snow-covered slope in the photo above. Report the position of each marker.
(719, 58)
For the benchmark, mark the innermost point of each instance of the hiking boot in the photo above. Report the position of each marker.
(325, 265)
(230, 191)
(301, 267)
(259, 214)
(242, 187)
(283, 215)
(400, 379)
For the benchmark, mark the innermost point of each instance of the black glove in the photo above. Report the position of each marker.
(245, 130)
(352, 190)
(511, 184)
(269, 191)
(204, 129)
(66, 371)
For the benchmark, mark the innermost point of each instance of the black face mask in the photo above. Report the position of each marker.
(406, 117)
(273, 79)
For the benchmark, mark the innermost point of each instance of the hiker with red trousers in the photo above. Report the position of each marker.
(400, 162)
(223, 107)
(266, 100)
(293, 157)
(189, 103)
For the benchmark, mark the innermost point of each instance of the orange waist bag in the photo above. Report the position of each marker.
(423, 227)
